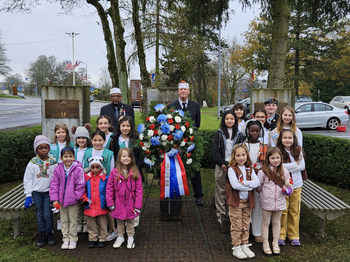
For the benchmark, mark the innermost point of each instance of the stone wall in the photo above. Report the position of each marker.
(163, 95)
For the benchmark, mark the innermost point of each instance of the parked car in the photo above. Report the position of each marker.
(92, 99)
(302, 98)
(245, 102)
(318, 114)
(341, 102)
(21, 95)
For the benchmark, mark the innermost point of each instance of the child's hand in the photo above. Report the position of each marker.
(136, 211)
(86, 201)
(57, 205)
(111, 208)
(291, 181)
(29, 202)
(287, 191)
(224, 167)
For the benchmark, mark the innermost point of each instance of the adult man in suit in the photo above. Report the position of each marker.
(117, 109)
(270, 106)
(193, 107)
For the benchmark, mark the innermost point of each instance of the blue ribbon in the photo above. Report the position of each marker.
(174, 186)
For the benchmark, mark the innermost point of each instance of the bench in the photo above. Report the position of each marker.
(12, 207)
(322, 204)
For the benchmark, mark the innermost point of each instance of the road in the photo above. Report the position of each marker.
(17, 113)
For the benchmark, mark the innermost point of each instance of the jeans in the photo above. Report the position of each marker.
(43, 211)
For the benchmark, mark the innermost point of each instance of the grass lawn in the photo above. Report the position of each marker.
(11, 96)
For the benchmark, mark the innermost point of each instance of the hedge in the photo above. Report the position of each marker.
(327, 158)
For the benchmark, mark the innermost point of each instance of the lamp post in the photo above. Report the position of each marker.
(85, 71)
(73, 35)
(219, 75)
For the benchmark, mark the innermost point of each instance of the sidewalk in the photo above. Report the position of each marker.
(166, 241)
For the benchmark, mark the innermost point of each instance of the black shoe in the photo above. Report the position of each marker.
(199, 201)
(42, 240)
(92, 244)
(101, 244)
(50, 239)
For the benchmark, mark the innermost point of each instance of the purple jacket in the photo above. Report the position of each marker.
(124, 194)
(67, 193)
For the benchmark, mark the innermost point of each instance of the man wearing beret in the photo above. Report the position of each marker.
(117, 109)
(270, 106)
(193, 107)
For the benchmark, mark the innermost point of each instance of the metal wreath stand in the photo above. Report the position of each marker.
(169, 208)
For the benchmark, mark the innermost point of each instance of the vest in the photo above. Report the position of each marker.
(232, 195)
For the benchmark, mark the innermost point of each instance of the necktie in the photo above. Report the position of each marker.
(184, 107)
(117, 113)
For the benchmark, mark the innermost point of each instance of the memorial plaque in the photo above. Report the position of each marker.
(135, 90)
(61, 108)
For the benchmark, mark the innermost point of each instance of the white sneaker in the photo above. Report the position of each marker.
(79, 228)
(72, 245)
(85, 229)
(247, 251)
(131, 243)
(238, 253)
(112, 236)
(65, 245)
(118, 242)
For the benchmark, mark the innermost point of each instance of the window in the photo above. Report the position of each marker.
(319, 107)
(304, 108)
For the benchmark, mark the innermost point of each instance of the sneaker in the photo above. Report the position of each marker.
(112, 236)
(118, 242)
(101, 244)
(65, 245)
(42, 240)
(247, 251)
(295, 242)
(85, 229)
(131, 243)
(79, 228)
(238, 253)
(199, 201)
(92, 244)
(72, 245)
(258, 239)
(281, 242)
(276, 250)
(51, 239)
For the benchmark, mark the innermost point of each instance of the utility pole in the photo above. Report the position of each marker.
(219, 74)
(73, 63)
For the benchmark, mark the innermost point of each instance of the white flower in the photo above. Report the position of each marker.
(147, 145)
(160, 132)
(161, 156)
(144, 148)
(172, 128)
(150, 133)
(152, 119)
(189, 161)
(183, 143)
(191, 131)
(171, 142)
(164, 137)
(169, 116)
(163, 143)
(177, 119)
(141, 136)
(183, 128)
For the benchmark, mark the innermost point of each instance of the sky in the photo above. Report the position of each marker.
(43, 32)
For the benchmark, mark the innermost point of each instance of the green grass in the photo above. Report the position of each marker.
(11, 96)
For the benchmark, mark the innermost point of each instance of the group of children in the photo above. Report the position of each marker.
(84, 182)
(258, 179)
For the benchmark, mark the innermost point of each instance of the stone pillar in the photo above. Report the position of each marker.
(68, 105)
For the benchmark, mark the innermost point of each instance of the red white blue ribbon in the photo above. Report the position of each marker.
(173, 180)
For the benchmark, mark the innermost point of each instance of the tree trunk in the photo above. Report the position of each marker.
(281, 18)
(157, 45)
(297, 56)
(145, 80)
(199, 81)
(120, 50)
(112, 65)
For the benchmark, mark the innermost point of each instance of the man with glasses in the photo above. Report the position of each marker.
(117, 109)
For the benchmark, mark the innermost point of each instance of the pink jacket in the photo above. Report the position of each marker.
(67, 193)
(124, 194)
(271, 195)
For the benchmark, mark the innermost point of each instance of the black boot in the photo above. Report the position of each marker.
(51, 239)
(42, 240)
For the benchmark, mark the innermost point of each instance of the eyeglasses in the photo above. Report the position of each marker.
(118, 96)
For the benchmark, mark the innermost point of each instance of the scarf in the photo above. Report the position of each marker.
(38, 161)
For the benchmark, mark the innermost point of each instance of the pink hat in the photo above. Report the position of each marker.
(40, 139)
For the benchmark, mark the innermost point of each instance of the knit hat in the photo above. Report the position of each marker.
(82, 132)
(183, 84)
(115, 90)
(96, 160)
(40, 139)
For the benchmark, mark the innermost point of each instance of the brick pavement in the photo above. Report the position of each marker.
(165, 241)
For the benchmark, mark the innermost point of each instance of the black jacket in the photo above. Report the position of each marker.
(192, 107)
(109, 110)
(219, 146)
(273, 123)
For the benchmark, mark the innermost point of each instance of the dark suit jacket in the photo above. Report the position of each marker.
(109, 110)
(193, 108)
(273, 123)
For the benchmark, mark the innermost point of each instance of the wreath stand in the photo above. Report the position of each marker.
(169, 210)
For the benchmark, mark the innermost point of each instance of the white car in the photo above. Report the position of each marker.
(318, 114)
(341, 102)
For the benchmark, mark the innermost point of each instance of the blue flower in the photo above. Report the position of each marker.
(148, 162)
(165, 128)
(190, 148)
(178, 135)
(173, 152)
(155, 141)
(140, 128)
(181, 113)
(159, 107)
(161, 118)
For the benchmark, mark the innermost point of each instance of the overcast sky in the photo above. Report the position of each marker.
(42, 32)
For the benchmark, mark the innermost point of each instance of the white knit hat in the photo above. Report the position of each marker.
(183, 84)
(40, 139)
(82, 132)
(115, 90)
(96, 160)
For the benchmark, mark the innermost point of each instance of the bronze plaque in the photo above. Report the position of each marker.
(62, 108)
(135, 90)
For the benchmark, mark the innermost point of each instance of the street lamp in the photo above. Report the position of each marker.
(72, 35)
(86, 71)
